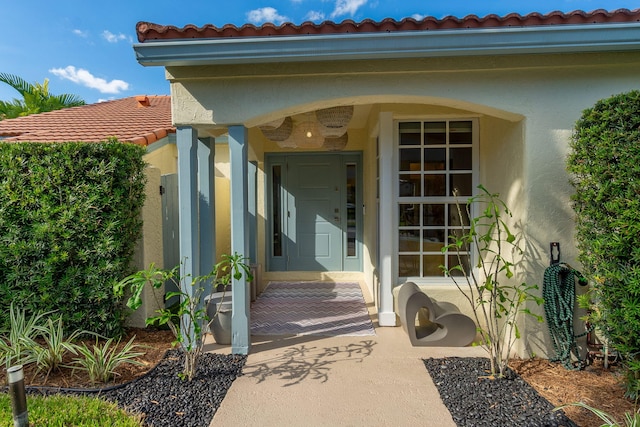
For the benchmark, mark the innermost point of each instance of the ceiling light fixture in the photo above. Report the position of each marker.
(334, 121)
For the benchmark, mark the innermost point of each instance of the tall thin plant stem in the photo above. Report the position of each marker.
(496, 303)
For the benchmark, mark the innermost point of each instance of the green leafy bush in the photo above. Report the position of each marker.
(605, 168)
(69, 223)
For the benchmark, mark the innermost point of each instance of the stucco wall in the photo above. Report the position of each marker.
(164, 158)
(149, 248)
(161, 159)
(223, 200)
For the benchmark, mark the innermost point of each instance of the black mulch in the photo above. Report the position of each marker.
(165, 399)
(474, 401)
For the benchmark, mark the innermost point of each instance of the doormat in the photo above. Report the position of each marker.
(311, 308)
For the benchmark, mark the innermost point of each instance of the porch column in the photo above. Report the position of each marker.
(206, 191)
(187, 144)
(386, 315)
(238, 159)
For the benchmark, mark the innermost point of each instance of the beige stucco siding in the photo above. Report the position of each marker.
(149, 248)
(164, 158)
(495, 85)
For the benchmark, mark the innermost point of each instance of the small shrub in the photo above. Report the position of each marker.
(18, 343)
(496, 301)
(190, 313)
(56, 344)
(101, 361)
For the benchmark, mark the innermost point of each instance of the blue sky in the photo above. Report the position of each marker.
(84, 47)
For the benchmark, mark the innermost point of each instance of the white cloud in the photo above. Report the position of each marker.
(418, 17)
(115, 38)
(347, 7)
(81, 33)
(266, 14)
(85, 78)
(314, 16)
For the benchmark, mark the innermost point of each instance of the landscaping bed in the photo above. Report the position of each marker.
(164, 399)
(529, 395)
(475, 400)
(596, 386)
(154, 388)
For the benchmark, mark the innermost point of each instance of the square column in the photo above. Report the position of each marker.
(238, 158)
(386, 314)
(187, 144)
(196, 197)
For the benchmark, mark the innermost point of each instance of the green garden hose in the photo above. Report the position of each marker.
(559, 293)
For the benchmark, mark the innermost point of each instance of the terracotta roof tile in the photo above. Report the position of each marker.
(138, 119)
(148, 31)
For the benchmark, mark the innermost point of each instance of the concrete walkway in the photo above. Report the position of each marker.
(336, 381)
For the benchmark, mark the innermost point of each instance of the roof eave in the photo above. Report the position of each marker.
(395, 45)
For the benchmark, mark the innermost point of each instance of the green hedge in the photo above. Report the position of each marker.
(605, 165)
(70, 217)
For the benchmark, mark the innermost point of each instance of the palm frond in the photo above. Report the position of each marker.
(18, 83)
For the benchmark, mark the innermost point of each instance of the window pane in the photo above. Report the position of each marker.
(460, 159)
(435, 133)
(462, 261)
(351, 210)
(435, 159)
(434, 185)
(431, 265)
(408, 265)
(433, 240)
(410, 159)
(462, 183)
(410, 133)
(276, 220)
(457, 233)
(455, 214)
(433, 214)
(409, 241)
(410, 185)
(409, 215)
(460, 132)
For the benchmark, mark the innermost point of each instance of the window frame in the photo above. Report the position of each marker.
(423, 200)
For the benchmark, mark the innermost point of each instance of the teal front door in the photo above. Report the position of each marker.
(313, 208)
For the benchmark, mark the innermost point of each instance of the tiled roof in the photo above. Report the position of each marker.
(148, 31)
(138, 119)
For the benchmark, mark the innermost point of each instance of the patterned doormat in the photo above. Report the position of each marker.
(311, 308)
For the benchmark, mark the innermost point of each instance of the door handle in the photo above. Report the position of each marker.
(336, 218)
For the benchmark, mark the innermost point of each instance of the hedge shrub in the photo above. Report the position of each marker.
(605, 168)
(70, 217)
